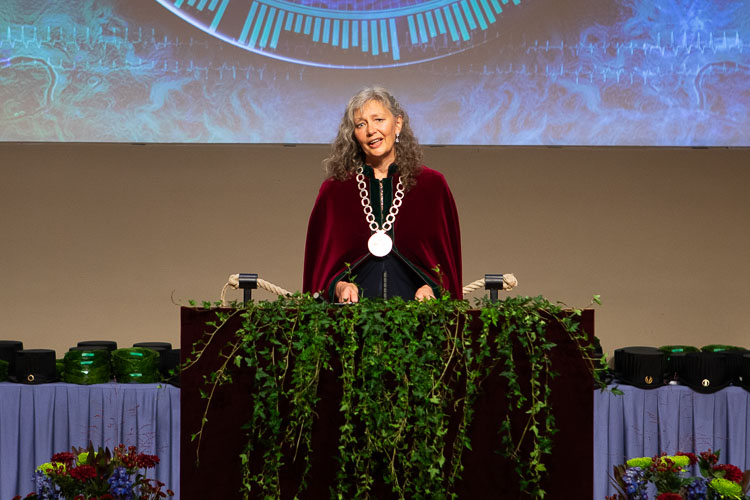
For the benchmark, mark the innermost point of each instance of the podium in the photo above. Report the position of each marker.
(487, 473)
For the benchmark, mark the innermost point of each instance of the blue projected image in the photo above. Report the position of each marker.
(482, 72)
(347, 33)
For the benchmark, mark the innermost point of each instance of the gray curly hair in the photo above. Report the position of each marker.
(347, 155)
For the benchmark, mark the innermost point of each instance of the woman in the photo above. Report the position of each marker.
(383, 225)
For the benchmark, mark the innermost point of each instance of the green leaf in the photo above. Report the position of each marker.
(404, 367)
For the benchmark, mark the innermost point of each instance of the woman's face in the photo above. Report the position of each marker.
(375, 129)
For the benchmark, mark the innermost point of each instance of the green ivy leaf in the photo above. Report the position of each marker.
(401, 363)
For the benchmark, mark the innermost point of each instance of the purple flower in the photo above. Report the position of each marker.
(635, 483)
(121, 487)
(697, 490)
(45, 488)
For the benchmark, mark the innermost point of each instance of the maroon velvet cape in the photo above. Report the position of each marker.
(426, 234)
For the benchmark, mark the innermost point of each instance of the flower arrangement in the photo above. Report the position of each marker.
(89, 474)
(668, 475)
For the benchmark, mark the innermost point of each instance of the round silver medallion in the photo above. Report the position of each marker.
(380, 244)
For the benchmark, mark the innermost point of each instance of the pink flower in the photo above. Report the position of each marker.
(64, 457)
(709, 457)
(83, 472)
(691, 456)
(147, 461)
(731, 472)
(669, 496)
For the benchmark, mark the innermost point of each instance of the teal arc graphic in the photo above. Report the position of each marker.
(364, 34)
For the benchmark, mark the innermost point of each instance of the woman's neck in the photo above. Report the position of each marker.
(381, 165)
(380, 172)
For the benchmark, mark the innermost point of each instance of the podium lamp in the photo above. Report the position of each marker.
(493, 283)
(248, 282)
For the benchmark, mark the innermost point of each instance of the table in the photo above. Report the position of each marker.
(645, 422)
(37, 421)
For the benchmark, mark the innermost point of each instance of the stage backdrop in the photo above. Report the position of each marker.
(104, 241)
(480, 72)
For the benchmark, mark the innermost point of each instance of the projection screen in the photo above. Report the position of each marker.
(474, 72)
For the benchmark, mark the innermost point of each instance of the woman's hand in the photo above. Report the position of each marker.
(347, 292)
(424, 293)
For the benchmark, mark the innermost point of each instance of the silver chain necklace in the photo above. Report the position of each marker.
(379, 244)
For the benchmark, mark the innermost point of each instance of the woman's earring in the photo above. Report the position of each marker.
(396, 137)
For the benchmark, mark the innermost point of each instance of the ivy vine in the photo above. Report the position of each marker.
(410, 373)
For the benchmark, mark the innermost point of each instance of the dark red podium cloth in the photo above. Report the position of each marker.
(487, 474)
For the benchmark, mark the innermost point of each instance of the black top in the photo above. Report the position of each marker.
(386, 277)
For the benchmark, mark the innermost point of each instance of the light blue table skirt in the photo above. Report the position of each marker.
(37, 421)
(643, 423)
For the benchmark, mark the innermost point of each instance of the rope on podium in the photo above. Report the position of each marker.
(234, 282)
(509, 282)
